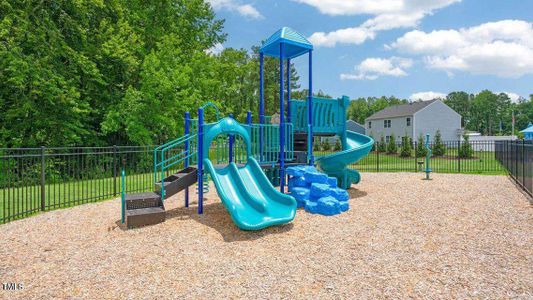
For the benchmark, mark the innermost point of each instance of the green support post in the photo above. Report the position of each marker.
(428, 156)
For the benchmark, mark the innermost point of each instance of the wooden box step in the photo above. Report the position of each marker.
(143, 200)
(175, 183)
(145, 216)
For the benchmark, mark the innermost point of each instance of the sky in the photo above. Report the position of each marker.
(414, 49)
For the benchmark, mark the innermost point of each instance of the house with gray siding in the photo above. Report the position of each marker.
(414, 119)
(351, 125)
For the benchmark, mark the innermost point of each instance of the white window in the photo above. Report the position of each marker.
(387, 138)
(370, 125)
(386, 123)
(408, 121)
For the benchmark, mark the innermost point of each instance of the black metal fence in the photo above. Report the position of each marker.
(42, 179)
(517, 158)
(474, 157)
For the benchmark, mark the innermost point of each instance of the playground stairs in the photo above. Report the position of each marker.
(177, 182)
(300, 141)
(144, 209)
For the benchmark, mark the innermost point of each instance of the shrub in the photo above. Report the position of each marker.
(316, 145)
(406, 147)
(382, 146)
(439, 149)
(392, 148)
(325, 145)
(421, 150)
(337, 146)
(465, 151)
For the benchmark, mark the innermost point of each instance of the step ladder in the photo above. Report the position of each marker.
(144, 209)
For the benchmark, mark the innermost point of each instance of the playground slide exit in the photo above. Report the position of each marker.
(355, 147)
(251, 200)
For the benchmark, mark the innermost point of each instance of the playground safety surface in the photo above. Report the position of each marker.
(456, 236)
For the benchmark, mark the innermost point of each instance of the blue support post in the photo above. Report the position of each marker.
(231, 141)
(187, 149)
(288, 90)
(249, 118)
(281, 123)
(261, 104)
(310, 156)
(200, 160)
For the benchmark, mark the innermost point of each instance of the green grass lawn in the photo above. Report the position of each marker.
(482, 163)
(19, 202)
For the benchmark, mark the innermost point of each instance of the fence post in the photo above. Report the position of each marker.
(377, 160)
(114, 170)
(516, 161)
(43, 179)
(459, 156)
(416, 157)
(523, 165)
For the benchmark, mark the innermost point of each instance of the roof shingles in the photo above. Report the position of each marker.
(401, 110)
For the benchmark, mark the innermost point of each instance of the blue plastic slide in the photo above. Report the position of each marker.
(355, 147)
(251, 200)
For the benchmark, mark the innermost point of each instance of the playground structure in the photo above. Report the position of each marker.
(246, 161)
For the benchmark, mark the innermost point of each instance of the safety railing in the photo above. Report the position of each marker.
(329, 115)
(268, 153)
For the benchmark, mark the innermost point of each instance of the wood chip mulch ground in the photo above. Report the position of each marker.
(457, 236)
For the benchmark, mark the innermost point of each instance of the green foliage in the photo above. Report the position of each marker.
(382, 145)
(406, 147)
(337, 146)
(465, 150)
(95, 72)
(325, 146)
(362, 108)
(316, 145)
(392, 148)
(439, 148)
(421, 150)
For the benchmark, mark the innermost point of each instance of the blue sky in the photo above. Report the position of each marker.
(414, 49)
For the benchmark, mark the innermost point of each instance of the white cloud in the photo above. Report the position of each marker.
(346, 36)
(246, 10)
(513, 96)
(373, 68)
(503, 48)
(425, 96)
(215, 50)
(388, 14)
(249, 11)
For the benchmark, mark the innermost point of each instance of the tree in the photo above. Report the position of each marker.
(69, 69)
(337, 146)
(462, 104)
(392, 148)
(316, 145)
(406, 147)
(439, 148)
(361, 108)
(382, 145)
(465, 151)
(325, 145)
(421, 150)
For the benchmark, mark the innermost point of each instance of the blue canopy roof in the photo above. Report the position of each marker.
(529, 129)
(295, 44)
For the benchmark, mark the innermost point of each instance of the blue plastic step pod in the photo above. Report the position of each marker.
(316, 192)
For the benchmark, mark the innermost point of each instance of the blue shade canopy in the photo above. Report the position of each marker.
(529, 129)
(295, 44)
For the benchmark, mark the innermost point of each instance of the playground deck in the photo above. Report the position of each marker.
(457, 236)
